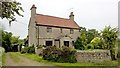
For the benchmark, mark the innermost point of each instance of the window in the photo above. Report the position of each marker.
(71, 31)
(66, 43)
(49, 29)
(48, 43)
(60, 30)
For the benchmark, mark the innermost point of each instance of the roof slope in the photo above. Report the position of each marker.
(55, 21)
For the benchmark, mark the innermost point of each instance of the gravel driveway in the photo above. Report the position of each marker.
(24, 62)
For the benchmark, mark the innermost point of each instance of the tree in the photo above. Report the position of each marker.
(78, 44)
(6, 43)
(97, 43)
(85, 38)
(91, 34)
(8, 39)
(14, 40)
(9, 9)
(109, 36)
(81, 41)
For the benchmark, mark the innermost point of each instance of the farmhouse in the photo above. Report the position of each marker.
(52, 31)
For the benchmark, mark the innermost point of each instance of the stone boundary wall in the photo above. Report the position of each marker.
(93, 56)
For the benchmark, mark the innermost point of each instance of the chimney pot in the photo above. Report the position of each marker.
(33, 6)
(71, 17)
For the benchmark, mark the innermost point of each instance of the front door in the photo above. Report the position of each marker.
(57, 43)
(66, 43)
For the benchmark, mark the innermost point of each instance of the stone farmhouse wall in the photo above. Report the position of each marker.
(93, 56)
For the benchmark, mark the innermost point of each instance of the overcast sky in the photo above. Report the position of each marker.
(92, 14)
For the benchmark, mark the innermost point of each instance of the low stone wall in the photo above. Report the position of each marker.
(93, 56)
(39, 51)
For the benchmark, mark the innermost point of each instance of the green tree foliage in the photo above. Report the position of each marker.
(8, 39)
(85, 38)
(81, 41)
(91, 34)
(78, 44)
(6, 42)
(109, 36)
(9, 9)
(97, 43)
(30, 49)
(89, 46)
(14, 40)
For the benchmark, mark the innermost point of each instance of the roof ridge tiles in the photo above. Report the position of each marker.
(52, 16)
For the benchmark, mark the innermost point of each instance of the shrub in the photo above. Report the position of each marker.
(79, 44)
(24, 50)
(97, 43)
(64, 54)
(50, 53)
(30, 49)
(89, 46)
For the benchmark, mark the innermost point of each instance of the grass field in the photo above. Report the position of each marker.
(39, 59)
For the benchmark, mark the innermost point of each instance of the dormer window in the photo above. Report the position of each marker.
(71, 31)
(49, 29)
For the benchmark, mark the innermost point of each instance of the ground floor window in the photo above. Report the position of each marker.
(66, 43)
(48, 43)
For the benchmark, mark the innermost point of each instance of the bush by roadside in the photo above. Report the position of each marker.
(30, 49)
(61, 55)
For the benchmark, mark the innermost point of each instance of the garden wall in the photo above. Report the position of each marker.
(39, 51)
(93, 56)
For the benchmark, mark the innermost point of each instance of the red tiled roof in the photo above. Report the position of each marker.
(55, 21)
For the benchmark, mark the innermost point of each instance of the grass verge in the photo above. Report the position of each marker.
(39, 59)
(2, 56)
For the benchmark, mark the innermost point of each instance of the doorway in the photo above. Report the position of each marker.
(57, 43)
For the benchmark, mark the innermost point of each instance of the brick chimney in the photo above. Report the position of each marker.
(71, 17)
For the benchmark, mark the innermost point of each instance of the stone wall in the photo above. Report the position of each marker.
(93, 56)
(39, 51)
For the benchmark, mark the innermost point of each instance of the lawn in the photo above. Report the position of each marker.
(39, 59)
